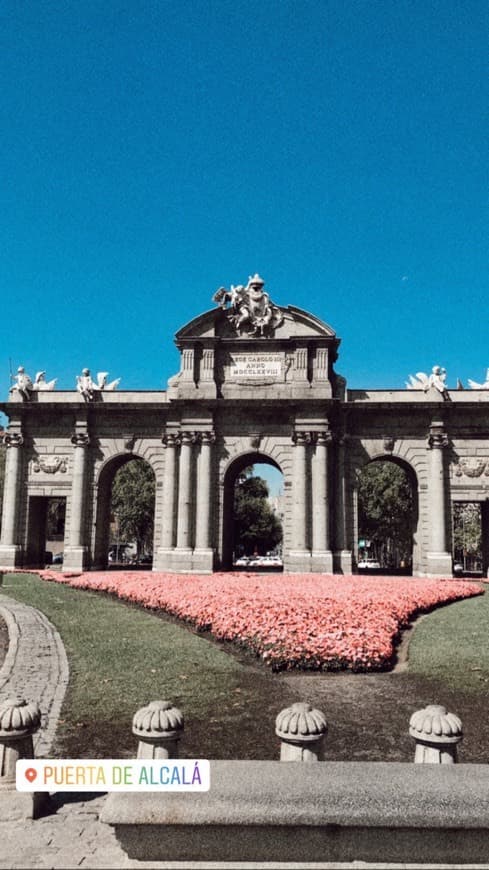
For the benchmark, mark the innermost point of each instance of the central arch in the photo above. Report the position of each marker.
(234, 469)
(385, 541)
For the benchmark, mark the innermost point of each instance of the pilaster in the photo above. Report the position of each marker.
(10, 549)
(439, 561)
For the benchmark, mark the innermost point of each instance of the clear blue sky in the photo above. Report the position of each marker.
(153, 151)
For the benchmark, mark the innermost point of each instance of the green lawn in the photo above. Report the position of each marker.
(122, 657)
(451, 645)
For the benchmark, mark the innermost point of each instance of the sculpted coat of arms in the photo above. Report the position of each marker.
(250, 310)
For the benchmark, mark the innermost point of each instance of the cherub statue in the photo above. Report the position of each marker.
(23, 384)
(475, 386)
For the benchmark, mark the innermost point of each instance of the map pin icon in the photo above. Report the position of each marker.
(30, 774)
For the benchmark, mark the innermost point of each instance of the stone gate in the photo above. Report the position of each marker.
(256, 383)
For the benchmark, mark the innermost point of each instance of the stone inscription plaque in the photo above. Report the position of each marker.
(257, 365)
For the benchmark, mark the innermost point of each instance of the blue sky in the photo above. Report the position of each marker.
(153, 151)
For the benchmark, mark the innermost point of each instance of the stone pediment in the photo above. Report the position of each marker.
(216, 324)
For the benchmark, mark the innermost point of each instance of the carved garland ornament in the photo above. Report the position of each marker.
(471, 467)
(50, 464)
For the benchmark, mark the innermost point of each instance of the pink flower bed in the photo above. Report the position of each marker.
(306, 621)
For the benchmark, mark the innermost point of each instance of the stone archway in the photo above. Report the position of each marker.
(103, 504)
(231, 474)
(386, 535)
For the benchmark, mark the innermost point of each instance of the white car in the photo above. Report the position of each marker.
(371, 564)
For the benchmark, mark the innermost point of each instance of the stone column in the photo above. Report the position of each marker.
(76, 551)
(321, 552)
(10, 550)
(184, 518)
(342, 556)
(439, 561)
(171, 442)
(299, 555)
(203, 553)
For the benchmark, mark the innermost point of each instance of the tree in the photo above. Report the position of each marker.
(256, 526)
(386, 512)
(132, 503)
(467, 534)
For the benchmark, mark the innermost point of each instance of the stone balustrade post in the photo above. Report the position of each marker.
(13, 467)
(158, 727)
(302, 731)
(19, 721)
(437, 734)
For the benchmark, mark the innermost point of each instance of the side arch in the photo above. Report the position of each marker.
(103, 490)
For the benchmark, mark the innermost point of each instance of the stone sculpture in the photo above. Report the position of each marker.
(475, 386)
(251, 310)
(87, 387)
(24, 385)
(424, 382)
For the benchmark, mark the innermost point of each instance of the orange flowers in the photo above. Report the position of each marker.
(291, 621)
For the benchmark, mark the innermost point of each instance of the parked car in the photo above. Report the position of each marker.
(242, 562)
(458, 569)
(58, 559)
(370, 564)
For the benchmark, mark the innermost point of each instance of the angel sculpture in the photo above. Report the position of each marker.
(40, 382)
(87, 387)
(424, 382)
(475, 386)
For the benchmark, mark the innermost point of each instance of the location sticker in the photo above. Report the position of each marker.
(30, 774)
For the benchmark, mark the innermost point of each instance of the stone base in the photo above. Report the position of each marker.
(184, 561)
(15, 806)
(10, 556)
(342, 562)
(439, 565)
(297, 562)
(75, 559)
(322, 561)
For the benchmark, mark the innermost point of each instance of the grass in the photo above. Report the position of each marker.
(121, 657)
(451, 645)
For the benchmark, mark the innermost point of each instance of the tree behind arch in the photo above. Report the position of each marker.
(386, 512)
(132, 503)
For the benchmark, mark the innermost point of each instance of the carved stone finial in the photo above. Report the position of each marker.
(159, 727)
(437, 734)
(18, 718)
(302, 730)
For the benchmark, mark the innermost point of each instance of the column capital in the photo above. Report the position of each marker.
(80, 439)
(208, 437)
(190, 437)
(324, 437)
(14, 439)
(437, 437)
(303, 438)
(171, 439)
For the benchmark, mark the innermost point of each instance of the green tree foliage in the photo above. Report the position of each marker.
(256, 526)
(386, 512)
(55, 518)
(467, 534)
(132, 504)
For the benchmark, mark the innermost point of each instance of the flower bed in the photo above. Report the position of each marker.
(290, 621)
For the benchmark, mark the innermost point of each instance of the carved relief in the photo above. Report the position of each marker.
(471, 467)
(49, 464)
